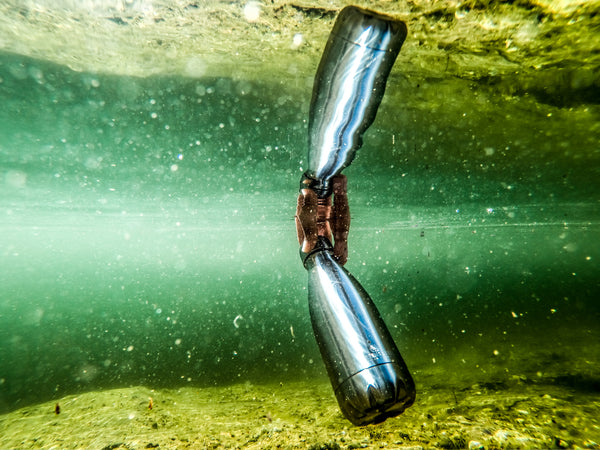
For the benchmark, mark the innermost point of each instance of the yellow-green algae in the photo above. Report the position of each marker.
(518, 46)
(520, 413)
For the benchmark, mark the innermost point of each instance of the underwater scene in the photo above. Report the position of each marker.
(151, 289)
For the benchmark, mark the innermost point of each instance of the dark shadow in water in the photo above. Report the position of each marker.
(563, 87)
(579, 382)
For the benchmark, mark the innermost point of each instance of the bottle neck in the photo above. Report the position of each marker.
(323, 245)
(322, 187)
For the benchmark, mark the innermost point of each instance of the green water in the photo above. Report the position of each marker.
(147, 235)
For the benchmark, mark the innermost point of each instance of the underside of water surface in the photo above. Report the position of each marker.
(150, 155)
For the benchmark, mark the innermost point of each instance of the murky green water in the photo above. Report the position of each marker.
(147, 235)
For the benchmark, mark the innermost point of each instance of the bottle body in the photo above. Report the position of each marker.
(349, 85)
(369, 377)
